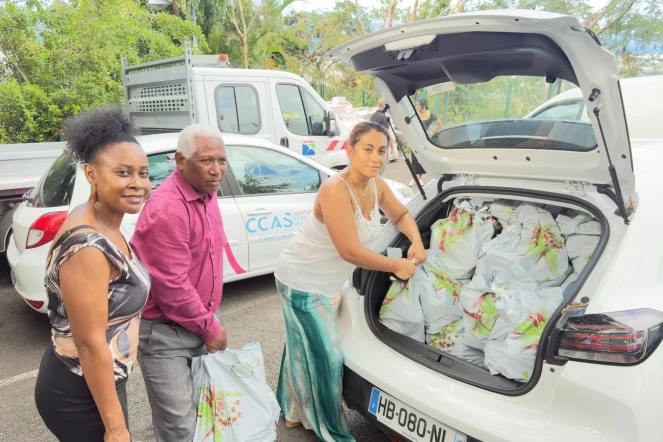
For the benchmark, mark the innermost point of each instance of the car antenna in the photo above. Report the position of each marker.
(621, 207)
(407, 160)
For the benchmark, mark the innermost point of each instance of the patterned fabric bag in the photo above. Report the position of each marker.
(235, 403)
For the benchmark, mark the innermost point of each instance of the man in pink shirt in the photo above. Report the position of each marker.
(180, 239)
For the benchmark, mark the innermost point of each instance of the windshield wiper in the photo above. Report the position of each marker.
(407, 160)
(621, 207)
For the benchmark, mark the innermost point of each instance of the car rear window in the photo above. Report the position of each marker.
(498, 114)
(57, 185)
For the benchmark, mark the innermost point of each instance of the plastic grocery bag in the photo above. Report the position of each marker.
(440, 300)
(457, 241)
(235, 402)
(450, 340)
(502, 210)
(401, 308)
(578, 223)
(534, 241)
(479, 311)
(514, 340)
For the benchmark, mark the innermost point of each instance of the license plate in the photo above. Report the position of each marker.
(409, 422)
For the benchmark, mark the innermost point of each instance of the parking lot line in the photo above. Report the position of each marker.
(19, 378)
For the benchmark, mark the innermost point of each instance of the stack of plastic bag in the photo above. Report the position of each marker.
(583, 234)
(513, 343)
(451, 340)
(457, 241)
(401, 309)
(534, 241)
(235, 403)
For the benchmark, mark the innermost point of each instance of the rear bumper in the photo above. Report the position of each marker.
(357, 393)
(28, 271)
(575, 402)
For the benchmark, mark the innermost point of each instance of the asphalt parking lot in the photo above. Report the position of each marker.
(250, 311)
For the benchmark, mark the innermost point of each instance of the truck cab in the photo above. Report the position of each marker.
(170, 94)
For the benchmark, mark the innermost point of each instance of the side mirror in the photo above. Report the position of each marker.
(332, 126)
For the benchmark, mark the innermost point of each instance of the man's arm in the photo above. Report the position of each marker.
(161, 242)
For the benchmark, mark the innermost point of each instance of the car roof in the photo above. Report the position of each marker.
(158, 143)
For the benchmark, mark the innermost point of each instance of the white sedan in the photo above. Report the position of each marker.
(565, 346)
(267, 194)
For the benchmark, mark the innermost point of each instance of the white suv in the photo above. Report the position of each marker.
(592, 367)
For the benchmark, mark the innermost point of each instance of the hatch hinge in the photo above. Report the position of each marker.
(470, 180)
(577, 188)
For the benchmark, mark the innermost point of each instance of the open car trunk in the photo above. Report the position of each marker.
(502, 265)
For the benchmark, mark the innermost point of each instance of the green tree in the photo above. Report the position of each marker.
(65, 56)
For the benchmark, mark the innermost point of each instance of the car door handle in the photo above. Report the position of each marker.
(284, 142)
(259, 212)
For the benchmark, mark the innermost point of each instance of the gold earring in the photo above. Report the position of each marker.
(93, 192)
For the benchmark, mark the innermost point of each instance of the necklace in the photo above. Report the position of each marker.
(361, 195)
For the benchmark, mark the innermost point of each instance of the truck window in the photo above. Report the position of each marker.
(261, 171)
(57, 185)
(238, 109)
(302, 114)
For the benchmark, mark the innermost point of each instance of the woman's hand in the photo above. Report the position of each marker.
(119, 435)
(417, 252)
(404, 269)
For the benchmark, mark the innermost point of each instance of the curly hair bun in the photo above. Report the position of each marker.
(89, 133)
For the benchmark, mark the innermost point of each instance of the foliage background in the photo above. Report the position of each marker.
(61, 57)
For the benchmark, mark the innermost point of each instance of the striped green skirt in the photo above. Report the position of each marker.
(311, 377)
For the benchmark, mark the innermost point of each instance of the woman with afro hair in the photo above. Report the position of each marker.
(96, 287)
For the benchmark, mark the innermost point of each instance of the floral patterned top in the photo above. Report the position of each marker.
(127, 295)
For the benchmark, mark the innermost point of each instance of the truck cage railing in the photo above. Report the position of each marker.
(159, 95)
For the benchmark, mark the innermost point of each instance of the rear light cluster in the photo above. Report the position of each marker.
(622, 338)
(44, 229)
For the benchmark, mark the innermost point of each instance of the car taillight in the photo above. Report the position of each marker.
(44, 229)
(625, 337)
(35, 304)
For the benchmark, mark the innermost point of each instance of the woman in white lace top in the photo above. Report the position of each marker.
(311, 271)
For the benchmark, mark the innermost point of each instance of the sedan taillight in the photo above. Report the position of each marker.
(622, 338)
(44, 229)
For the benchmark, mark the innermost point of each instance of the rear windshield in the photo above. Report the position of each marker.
(506, 112)
(57, 185)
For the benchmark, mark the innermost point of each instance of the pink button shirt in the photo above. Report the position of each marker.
(180, 238)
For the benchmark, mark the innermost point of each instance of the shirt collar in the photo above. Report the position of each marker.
(185, 188)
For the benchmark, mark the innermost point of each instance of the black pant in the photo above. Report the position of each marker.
(66, 405)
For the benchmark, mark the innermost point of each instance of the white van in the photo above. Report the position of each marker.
(168, 95)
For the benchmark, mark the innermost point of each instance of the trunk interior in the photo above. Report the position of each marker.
(487, 347)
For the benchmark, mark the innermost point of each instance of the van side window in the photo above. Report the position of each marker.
(161, 166)
(301, 113)
(238, 109)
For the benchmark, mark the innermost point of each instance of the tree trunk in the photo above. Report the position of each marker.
(390, 17)
(414, 10)
(245, 50)
(361, 20)
(613, 22)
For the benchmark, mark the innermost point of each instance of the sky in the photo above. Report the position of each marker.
(308, 5)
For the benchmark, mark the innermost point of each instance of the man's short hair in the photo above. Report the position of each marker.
(186, 142)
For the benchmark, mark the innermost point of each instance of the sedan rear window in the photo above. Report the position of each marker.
(56, 186)
(497, 114)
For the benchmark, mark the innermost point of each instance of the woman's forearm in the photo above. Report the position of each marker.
(97, 364)
(408, 227)
(370, 260)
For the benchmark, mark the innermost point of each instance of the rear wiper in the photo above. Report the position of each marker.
(621, 207)
(407, 160)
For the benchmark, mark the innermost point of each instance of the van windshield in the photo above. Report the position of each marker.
(506, 112)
